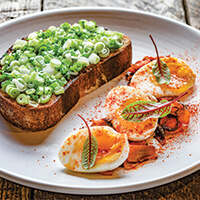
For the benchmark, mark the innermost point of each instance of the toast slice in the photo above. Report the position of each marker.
(47, 115)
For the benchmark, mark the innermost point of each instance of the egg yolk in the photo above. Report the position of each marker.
(109, 146)
(182, 76)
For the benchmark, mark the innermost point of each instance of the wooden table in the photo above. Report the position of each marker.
(186, 11)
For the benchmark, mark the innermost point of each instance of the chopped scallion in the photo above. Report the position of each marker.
(41, 64)
(83, 60)
(55, 63)
(99, 46)
(59, 90)
(30, 91)
(94, 58)
(104, 53)
(14, 63)
(22, 99)
(54, 85)
(39, 90)
(20, 84)
(14, 92)
(5, 84)
(45, 98)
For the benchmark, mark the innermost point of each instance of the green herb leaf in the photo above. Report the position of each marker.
(90, 149)
(89, 154)
(162, 72)
(142, 110)
(160, 69)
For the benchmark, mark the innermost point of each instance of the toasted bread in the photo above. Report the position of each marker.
(47, 115)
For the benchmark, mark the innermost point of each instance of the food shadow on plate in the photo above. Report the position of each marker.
(117, 173)
(23, 137)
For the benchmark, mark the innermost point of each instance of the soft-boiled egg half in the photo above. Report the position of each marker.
(182, 78)
(113, 149)
(117, 99)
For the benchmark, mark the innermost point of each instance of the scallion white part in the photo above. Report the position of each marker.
(32, 35)
(104, 53)
(99, 46)
(55, 63)
(14, 63)
(49, 69)
(73, 73)
(3, 60)
(24, 70)
(39, 79)
(33, 42)
(67, 44)
(105, 40)
(20, 84)
(15, 73)
(94, 58)
(68, 56)
(84, 61)
(19, 43)
(33, 103)
(88, 44)
(52, 28)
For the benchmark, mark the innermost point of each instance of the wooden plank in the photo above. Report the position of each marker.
(189, 190)
(172, 8)
(12, 9)
(10, 190)
(193, 12)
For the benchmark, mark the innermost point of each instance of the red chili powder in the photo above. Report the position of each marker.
(193, 108)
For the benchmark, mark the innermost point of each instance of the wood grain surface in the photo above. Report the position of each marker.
(193, 13)
(187, 11)
(172, 9)
(10, 9)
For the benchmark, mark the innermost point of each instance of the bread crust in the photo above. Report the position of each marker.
(47, 115)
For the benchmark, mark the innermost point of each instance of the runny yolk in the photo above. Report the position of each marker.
(109, 146)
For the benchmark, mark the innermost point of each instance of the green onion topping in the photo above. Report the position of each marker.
(42, 64)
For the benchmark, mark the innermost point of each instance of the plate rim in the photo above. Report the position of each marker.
(31, 182)
(62, 188)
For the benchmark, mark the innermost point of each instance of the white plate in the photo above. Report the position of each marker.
(26, 161)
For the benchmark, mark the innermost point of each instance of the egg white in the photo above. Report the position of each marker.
(70, 154)
(117, 99)
(182, 78)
